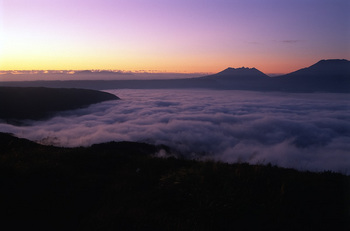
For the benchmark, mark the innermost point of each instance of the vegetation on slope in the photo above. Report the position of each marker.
(122, 186)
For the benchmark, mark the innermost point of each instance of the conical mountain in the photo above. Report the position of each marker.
(242, 73)
(239, 79)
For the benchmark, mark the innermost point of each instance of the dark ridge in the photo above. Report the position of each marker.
(240, 72)
(9, 142)
(331, 63)
(324, 68)
(238, 75)
(122, 186)
(83, 72)
(17, 103)
(239, 79)
(324, 76)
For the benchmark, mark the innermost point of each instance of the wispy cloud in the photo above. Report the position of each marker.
(303, 131)
(291, 41)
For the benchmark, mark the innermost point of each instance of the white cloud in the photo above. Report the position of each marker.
(303, 131)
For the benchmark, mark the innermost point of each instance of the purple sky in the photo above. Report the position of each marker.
(175, 36)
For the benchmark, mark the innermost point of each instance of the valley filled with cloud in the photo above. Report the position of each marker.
(302, 131)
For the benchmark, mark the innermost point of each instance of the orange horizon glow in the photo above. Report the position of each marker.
(270, 67)
(171, 37)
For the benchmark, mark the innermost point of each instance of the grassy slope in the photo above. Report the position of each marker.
(18, 103)
(120, 186)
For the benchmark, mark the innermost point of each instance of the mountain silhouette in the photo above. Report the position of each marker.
(239, 79)
(331, 75)
(324, 76)
(331, 68)
(242, 73)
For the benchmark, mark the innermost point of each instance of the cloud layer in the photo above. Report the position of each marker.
(303, 131)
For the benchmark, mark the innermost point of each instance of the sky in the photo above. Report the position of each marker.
(186, 36)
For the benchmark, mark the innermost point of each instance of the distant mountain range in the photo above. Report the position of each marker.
(103, 72)
(325, 76)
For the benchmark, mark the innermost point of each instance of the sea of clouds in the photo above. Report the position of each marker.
(303, 131)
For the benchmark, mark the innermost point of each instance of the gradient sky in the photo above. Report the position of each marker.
(175, 36)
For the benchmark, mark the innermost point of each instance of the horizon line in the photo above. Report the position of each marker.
(126, 72)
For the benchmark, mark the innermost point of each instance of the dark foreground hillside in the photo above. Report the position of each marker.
(18, 103)
(121, 186)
